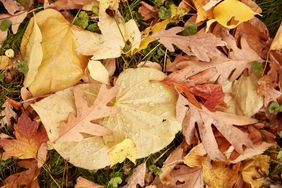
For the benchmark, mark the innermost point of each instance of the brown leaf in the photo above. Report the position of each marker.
(183, 177)
(256, 34)
(82, 122)
(28, 139)
(137, 177)
(202, 45)
(225, 123)
(8, 113)
(84, 183)
(12, 6)
(27, 178)
(175, 158)
(147, 11)
(68, 4)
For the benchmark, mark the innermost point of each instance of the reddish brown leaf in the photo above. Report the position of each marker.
(28, 139)
(211, 93)
(68, 4)
(147, 11)
(27, 178)
(137, 177)
(84, 183)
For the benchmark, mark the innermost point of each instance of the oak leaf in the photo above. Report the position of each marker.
(27, 142)
(137, 177)
(12, 6)
(27, 178)
(225, 123)
(202, 45)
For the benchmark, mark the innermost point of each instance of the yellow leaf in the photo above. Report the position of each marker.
(247, 101)
(218, 174)
(250, 171)
(61, 66)
(123, 150)
(10, 53)
(230, 13)
(98, 71)
(195, 157)
(277, 41)
(4, 62)
(34, 54)
(202, 14)
(146, 34)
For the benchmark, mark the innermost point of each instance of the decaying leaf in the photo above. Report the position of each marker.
(84, 183)
(250, 171)
(27, 178)
(123, 150)
(137, 177)
(61, 66)
(202, 45)
(28, 140)
(147, 11)
(146, 116)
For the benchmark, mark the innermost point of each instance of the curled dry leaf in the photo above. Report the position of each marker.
(60, 66)
(27, 142)
(202, 45)
(146, 116)
(147, 11)
(27, 178)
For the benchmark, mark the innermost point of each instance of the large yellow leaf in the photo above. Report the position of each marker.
(146, 116)
(61, 66)
(202, 14)
(230, 13)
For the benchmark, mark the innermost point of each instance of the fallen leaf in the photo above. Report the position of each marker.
(202, 14)
(250, 171)
(4, 62)
(244, 92)
(211, 93)
(98, 71)
(210, 4)
(83, 122)
(27, 142)
(68, 4)
(144, 117)
(12, 6)
(114, 36)
(252, 4)
(121, 151)
(277, 41)
(61, 66)
(84, 183)
(16, 19)
(231, 13)
(27, 178)
(202, 45)
(34, 55)
(137, 177)
(7, 113)
(147, 11)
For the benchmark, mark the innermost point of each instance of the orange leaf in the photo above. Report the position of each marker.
(28, 139)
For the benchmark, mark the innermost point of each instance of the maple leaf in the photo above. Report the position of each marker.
(202, 45)
(28, 139)
(224, 122)
(27, 178)
(82, 122)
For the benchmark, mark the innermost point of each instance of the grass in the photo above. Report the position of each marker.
(56, 172)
